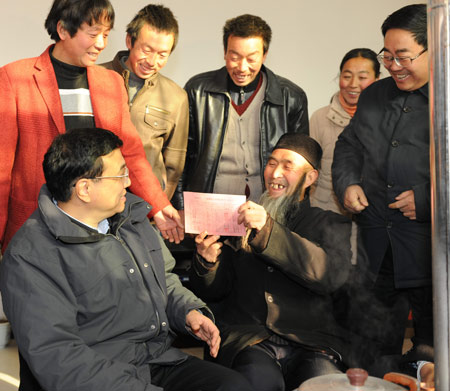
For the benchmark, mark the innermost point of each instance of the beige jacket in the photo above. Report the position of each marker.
(160, 112)
(325, 126)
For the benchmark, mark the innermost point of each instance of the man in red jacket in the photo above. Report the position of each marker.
(59, 90)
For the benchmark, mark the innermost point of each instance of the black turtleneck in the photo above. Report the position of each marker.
(72, 81)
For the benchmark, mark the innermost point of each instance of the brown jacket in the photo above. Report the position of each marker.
(160, 112)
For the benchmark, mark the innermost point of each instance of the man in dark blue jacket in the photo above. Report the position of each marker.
(88, 288)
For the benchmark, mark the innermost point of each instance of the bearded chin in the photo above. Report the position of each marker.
(275, 207)
(278, 208)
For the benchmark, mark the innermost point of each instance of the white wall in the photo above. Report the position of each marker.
(309, 40)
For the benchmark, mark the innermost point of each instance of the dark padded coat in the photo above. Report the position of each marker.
(385, 150)
(88, 310)
(284, 285)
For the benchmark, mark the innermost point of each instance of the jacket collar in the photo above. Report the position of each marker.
(336, 113)
(273, 93)
(46, 81)
(295, 214)
(68, 230)
(48, 86)
(424, 90)
(118, 67)
(395, 90)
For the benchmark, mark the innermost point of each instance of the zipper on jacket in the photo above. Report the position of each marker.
(138, 270)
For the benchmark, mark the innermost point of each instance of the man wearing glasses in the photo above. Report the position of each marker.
(88, 288)
(381, 174)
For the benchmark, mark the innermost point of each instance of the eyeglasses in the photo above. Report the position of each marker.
(400, 61)
(124, 177)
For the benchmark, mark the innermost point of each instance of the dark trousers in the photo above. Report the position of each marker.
(191, 375)
(198, 375)
(395, 305)
(272, 367)
(380, 315)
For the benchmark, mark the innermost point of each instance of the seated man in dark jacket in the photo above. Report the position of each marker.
(272, 289)
(87, 287)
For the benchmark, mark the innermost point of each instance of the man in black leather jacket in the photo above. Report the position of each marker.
(237, 114)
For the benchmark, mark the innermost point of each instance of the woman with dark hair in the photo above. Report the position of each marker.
(359, 68)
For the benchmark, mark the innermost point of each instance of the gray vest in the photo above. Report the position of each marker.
(240, 162)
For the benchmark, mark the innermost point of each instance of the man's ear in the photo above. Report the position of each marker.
(311, 177)
(128, 42)
(62, 32)
(82, 190)
(264, 57)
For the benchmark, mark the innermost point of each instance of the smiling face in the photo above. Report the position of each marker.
(84, 47)
(401, 43)
(244, 58)
(150, 51)
(283, 172)
(357, 74)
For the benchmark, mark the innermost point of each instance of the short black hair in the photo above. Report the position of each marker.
(246, 26)
(74, 155)
(73, 13)
(412, 18)
(159, 17)
(366, 53)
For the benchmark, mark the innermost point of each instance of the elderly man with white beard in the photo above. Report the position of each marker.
(272, 291)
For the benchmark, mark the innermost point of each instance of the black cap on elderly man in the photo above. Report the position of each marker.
(303, 145)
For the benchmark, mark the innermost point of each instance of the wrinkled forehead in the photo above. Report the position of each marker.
(283, 155)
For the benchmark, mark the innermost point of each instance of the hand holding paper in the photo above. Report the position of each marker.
(252, 215)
